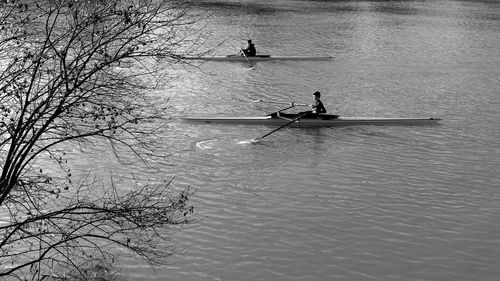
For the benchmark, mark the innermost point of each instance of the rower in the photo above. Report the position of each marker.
(250, 51)
(318, 106)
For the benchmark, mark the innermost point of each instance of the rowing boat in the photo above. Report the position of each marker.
(238, 58)
(323, 120)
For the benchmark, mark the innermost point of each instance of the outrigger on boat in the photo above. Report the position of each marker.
(321, 120)
(242, 58)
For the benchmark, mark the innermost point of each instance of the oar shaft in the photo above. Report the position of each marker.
(279, 102)
(283, 126)
(245, 55)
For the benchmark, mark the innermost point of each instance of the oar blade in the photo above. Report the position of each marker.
(252, 141)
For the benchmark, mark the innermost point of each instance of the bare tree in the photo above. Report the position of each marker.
(78, 73)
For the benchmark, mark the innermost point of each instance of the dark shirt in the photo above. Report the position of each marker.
(319, 107)
(250, 50)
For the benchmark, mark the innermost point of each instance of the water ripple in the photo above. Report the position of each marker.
(353, 203)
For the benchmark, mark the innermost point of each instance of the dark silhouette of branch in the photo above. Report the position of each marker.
(81, 73)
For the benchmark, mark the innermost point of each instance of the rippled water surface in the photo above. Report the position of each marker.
(351, 203)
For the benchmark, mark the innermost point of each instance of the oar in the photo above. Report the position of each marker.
(243, 52)
(271, 114)
(278, 102)
(283, 126)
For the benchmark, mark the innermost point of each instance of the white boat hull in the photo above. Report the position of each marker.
(313, 122)
(259, 58)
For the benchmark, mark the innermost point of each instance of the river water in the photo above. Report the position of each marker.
(351, 203)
